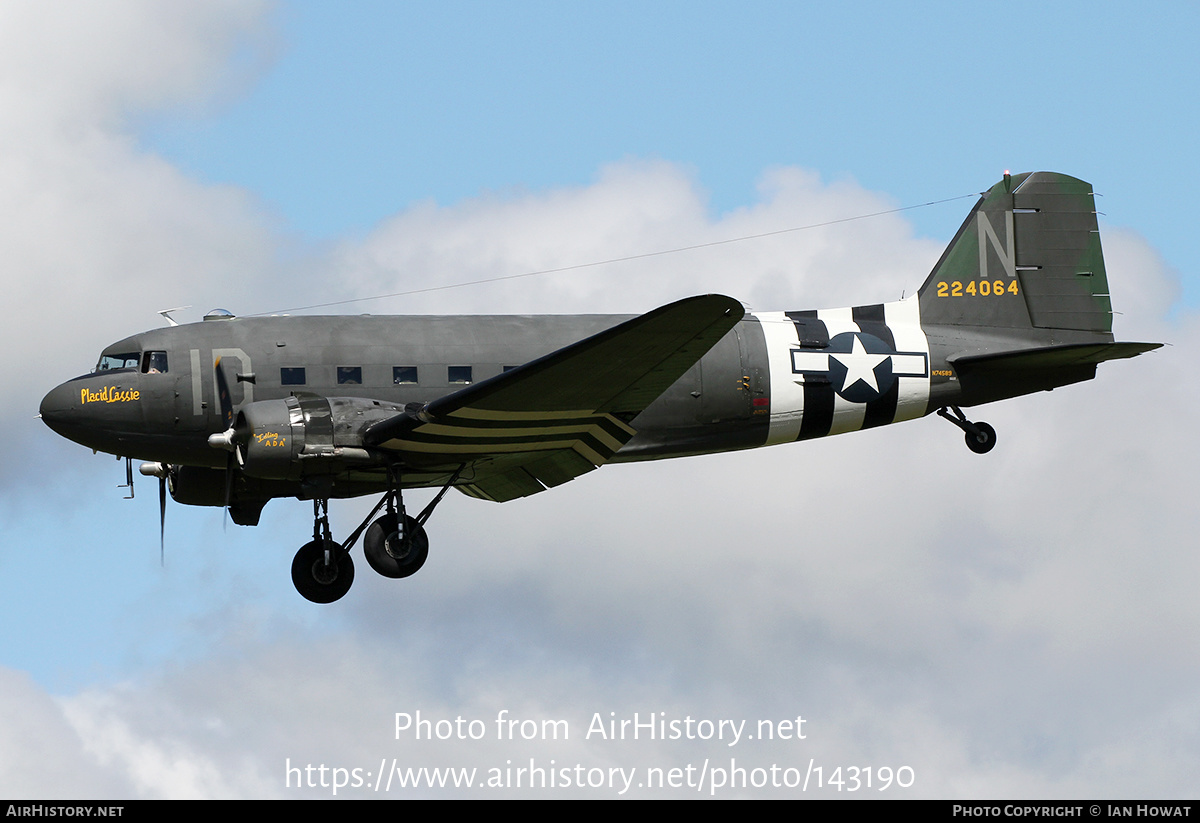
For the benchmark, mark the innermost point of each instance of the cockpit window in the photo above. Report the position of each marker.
(154, 362)
(117, 361)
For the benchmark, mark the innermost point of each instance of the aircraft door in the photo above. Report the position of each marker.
(156, 389)
(729, 386)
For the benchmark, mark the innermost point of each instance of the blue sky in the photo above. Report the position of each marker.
(371, 107)
(1012, 626)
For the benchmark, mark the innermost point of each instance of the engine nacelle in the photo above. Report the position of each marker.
(306, 434)
(199, 486)
(269, 438)
(196, 486)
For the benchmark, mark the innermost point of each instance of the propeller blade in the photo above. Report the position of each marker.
(225, 439)
(223, 395)
(162, 471)
(162, 519)
(230, 467)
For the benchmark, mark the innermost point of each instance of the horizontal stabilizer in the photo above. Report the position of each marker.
(1052, 357)
(994, 376)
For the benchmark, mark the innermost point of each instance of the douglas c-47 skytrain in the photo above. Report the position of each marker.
(235, 411)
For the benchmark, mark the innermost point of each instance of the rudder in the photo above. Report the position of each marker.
(1027, 256)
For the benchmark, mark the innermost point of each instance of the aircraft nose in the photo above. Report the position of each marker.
(95, 411)
(60, 408)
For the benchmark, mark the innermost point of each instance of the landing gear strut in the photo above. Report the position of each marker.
(322, 570)
(981, 438)
(395, 544)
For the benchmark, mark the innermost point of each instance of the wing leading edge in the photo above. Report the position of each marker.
(557, 417)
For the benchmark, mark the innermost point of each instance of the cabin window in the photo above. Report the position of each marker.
(402, 375)
(154, 362)
(350, 375)
(292, 377)
(458, 374)
(108, 362)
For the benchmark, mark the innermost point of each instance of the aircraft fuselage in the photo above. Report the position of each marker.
(776, 377)
(747, 391)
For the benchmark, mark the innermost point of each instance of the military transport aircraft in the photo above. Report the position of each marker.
(236, 411)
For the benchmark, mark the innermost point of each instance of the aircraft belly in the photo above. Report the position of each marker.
(659, 444)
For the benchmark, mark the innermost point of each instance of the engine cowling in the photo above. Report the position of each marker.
(306, 434)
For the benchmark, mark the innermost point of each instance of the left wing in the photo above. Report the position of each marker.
(557, 417)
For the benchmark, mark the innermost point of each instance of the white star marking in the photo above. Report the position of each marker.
(859, 365)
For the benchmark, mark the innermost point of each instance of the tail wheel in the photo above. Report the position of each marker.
(983, 441)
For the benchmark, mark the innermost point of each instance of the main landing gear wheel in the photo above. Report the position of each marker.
(322, 571)
(392, 552)
(983, 440)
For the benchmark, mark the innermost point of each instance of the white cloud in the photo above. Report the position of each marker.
(98, 235)
(41, 754)
(74, 69)
(635, 208)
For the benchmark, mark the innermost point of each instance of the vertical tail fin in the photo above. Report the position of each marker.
(1027, 256)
